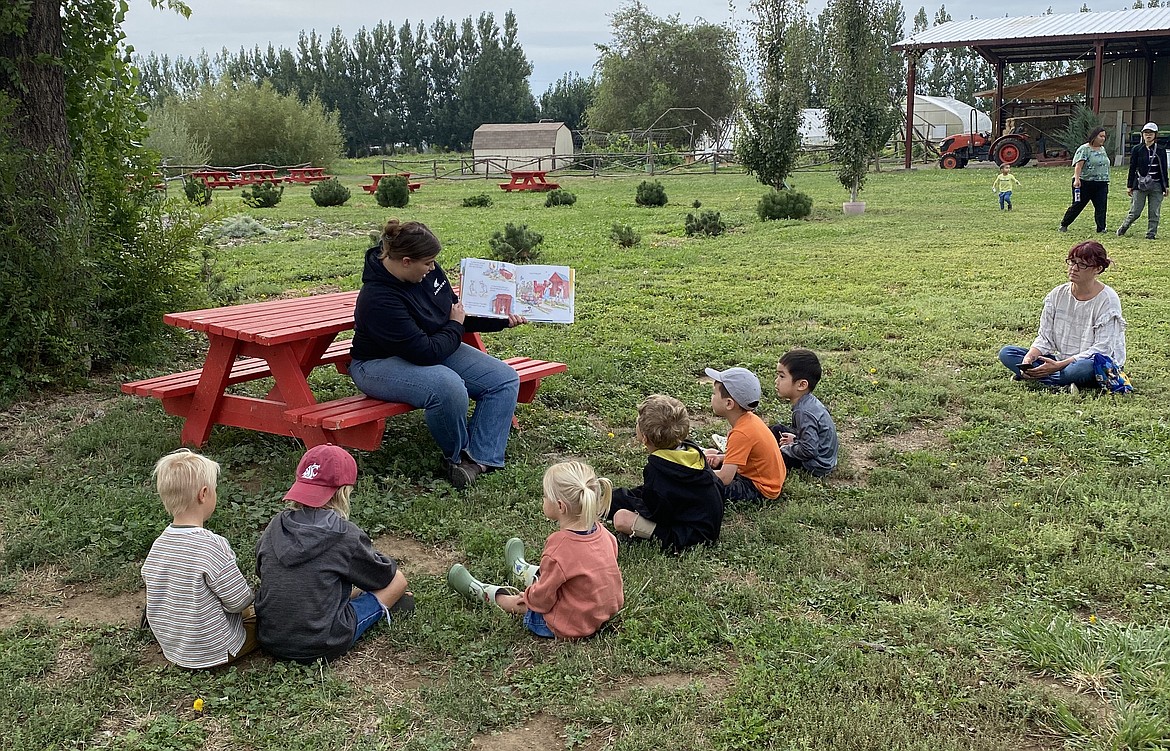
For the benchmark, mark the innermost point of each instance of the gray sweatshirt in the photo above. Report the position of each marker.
(815, 446)
(308, 561)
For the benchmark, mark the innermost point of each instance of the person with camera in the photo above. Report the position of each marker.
(1146, 182)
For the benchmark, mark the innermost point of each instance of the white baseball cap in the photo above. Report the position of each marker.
(1150, 126)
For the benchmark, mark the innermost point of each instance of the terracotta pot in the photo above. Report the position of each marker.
(853, 208)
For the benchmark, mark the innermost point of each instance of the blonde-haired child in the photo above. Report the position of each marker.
(311, 557)
(578, 585)
(197, 600)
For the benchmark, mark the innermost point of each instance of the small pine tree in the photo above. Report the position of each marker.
(329, 193)
(392, 192)
(516, 244)
(481, 201)
(196, 191)
(560, 197)
(263, 195)
(783, 204)
(708, 223)
(624, 235)
(650, 194)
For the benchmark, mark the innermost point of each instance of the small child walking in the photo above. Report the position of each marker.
(1003, 185)
(577, 587)
(311, 557)
(198, 604)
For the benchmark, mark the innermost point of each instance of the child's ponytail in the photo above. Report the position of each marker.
(577, 485)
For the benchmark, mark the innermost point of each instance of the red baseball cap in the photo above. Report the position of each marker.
(322, 470)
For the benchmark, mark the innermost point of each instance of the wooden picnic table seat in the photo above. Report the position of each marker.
(245, 369)
(364, 418)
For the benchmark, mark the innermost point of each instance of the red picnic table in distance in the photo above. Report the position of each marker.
(216, 178)
(528, 180)
(377, 177)
(254, 176)
(307, 175)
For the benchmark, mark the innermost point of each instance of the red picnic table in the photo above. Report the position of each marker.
(377, 177)
(254, 176)
(286, 339)
(216, 178)
(307, 175)
(529, 180)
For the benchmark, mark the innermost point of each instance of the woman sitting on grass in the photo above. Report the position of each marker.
(1081, 318)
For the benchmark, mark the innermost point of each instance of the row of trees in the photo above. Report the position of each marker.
(414, 85)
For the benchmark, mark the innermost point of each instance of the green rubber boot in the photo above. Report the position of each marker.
(522, 571)
(460, 580)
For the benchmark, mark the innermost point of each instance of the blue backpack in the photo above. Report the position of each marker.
(1110, 376)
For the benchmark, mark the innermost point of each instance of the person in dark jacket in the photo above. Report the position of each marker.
(1146, 181)
(680, 502)
(310, 558)
(408, 347)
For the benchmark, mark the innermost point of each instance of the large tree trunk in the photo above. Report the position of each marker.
(38, 86)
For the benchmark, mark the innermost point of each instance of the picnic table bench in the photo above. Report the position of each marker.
(216, 178)
(529, 180)
(287, 340)
(377, 177)
(307, 175)
(256, 176)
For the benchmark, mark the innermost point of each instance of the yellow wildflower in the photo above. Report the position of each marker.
(1092, 618)
(873, 370)
(1023, 460)
(197, 705)
(611, 435)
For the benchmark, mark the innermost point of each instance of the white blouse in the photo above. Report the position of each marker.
(1081, 328)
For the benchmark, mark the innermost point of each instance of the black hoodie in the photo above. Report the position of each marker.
(680, 494)
(309, 560)
(394, 318)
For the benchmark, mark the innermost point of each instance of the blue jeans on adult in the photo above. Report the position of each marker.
(1080, 372)
(443, 390)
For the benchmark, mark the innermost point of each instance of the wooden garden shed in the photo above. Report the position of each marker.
(501, 147)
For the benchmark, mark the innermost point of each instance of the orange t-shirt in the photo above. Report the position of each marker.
(753, 449)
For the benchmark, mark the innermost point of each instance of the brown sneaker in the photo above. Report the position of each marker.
(463, 474)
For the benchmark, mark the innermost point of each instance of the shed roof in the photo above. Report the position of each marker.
(515, 136)
(1050, 88)
(1064, 36)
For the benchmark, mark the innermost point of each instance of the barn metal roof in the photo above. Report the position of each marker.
(515, 136)
(1124, 33)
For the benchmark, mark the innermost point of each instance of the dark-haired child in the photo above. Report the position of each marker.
(811, 441)
(680, 502)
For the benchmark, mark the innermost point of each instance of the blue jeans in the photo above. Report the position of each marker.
(534, 622)
(1080, 372)
(369, 610)
(1005, 197)
(443, 391)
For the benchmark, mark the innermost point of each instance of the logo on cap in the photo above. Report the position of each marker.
(310, 472)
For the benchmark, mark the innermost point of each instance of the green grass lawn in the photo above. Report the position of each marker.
(987, 569)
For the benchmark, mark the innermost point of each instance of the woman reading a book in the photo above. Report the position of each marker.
(408, 347)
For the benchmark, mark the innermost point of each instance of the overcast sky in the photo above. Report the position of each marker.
(558, 36)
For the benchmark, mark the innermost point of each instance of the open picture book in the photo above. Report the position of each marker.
(495, 289)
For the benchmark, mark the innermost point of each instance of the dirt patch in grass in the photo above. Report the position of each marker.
(40, 594)
(415, 557)
(29, 426)
(383, 667)
(712, 683)
(1086, 701)
(537, 732)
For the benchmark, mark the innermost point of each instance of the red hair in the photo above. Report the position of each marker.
(1090, 252)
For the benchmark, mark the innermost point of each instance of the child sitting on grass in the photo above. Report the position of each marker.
(578, 585)
(679, 503)
(751, 469)
(811, 443)
(310, 558)
(197, 601)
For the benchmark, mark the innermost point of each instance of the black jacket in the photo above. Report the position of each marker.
(1139, 164)
(394, 318)
(680, 495)
(308, 561)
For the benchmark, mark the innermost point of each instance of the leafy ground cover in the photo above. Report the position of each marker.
(986, 570)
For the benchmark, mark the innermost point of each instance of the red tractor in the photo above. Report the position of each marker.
(1012, 149)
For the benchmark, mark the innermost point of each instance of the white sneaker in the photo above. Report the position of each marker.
(720, 442)
(1074, 389)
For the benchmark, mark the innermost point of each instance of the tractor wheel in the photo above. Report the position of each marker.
(1012, 153)
(949, 161)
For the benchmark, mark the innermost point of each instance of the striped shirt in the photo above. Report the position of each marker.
(194, 595)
